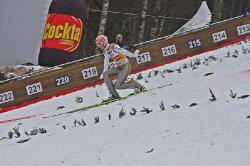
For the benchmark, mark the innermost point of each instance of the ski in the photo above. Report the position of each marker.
(106, 102)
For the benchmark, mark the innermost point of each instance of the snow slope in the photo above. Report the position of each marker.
(211, 133)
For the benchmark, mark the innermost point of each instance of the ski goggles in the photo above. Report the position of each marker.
(99, 44)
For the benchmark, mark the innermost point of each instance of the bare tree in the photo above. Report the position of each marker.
(143, 20)
(218, 9)
(104, 14)
(154, 29)
(162, 21)
(129, 17)
(103, 20)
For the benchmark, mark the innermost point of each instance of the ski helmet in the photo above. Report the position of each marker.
(101, 41)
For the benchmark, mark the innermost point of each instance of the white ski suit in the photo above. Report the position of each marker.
(122, 69)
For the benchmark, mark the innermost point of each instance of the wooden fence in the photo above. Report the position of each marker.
(152, 53)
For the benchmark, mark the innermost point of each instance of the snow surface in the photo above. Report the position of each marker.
(212, 133)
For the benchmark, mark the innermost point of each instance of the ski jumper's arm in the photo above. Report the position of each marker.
(106, 63)
(122, 51)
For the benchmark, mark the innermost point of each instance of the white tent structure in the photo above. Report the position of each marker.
(21, 30)
(202, 18)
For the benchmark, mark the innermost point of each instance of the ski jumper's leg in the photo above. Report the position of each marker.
(123, 73)
(109, 82)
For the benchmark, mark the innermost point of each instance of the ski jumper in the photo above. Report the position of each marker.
(122, 70)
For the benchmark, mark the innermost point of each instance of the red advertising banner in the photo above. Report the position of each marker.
(62, 32)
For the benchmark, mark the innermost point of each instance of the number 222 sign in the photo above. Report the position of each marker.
(6, 97)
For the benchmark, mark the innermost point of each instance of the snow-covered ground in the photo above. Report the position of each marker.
(208, 133)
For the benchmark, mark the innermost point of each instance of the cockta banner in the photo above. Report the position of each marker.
(63, 32)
